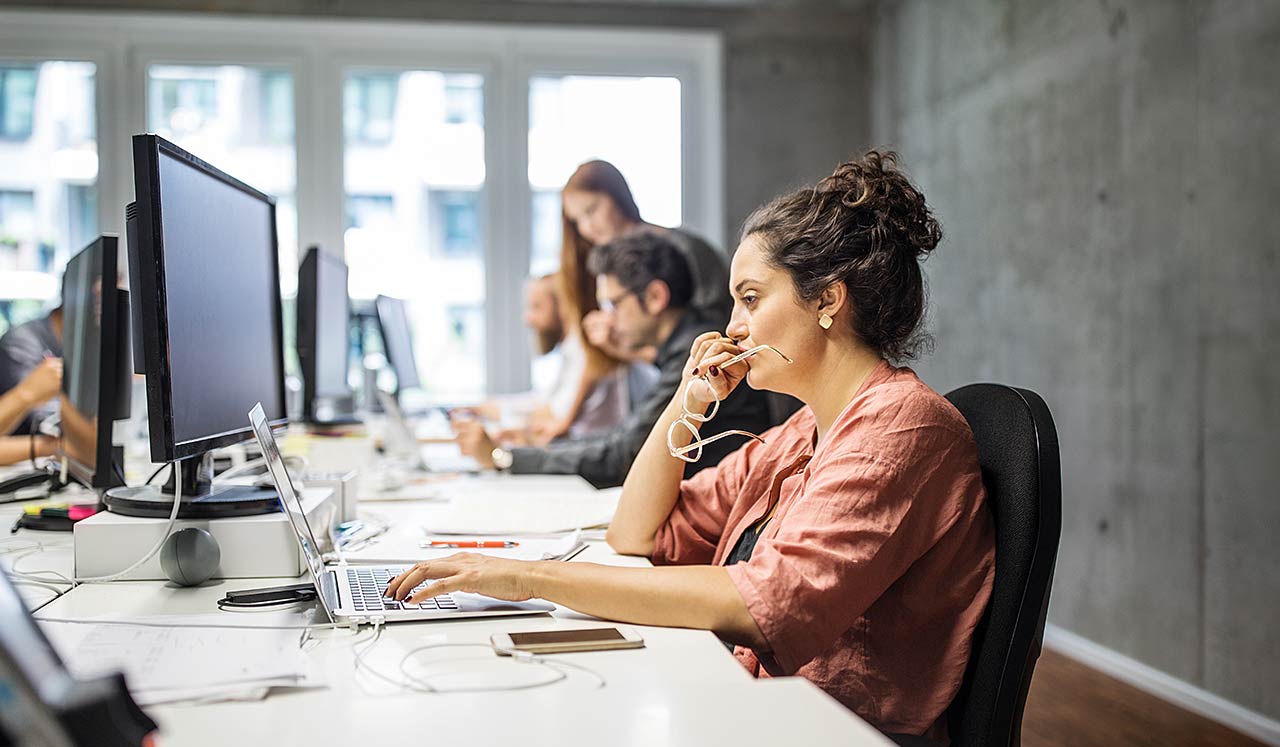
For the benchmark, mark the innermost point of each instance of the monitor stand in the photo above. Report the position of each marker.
(201, 499)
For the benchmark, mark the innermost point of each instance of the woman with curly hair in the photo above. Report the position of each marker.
(852, 545)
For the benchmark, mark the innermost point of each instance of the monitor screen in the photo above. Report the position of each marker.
(398, 341)
(82, 343)
(211, 292)
(95, 380)
(323, 324)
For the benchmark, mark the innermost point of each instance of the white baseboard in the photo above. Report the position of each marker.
(1163, 686)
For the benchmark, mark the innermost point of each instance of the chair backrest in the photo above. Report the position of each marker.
(1018, 451)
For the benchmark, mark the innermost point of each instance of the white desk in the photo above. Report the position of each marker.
(683, 688)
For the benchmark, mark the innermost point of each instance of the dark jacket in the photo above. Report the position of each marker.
(604, 460)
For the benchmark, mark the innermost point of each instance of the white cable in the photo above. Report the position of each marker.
(214, 626)
(417, 683)
(173, 518)
(35, 576)
(48, 586)
(560, 676)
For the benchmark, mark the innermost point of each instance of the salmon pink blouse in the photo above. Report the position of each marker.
(878, 561)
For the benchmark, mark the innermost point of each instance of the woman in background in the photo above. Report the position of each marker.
(597, 208)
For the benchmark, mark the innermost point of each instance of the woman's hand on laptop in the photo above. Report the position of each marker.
(499, 578)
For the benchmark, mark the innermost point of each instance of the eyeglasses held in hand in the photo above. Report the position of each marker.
(689, 418)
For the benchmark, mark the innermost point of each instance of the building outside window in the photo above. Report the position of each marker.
(48, 179)
(17, 102)
(369, 107)
(414, 172)
(631, 122)
(239, 118)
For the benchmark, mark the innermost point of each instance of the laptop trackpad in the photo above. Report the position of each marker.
(476, 603)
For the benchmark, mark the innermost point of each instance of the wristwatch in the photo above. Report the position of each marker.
(502, 459)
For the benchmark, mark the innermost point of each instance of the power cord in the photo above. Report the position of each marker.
(173, 518)
(212, 626)
(158, 471)
(416, 683)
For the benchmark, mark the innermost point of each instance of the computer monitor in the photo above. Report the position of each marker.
(397, 340)
(96, 377)
(324, 340)
(43, 704)
(205, 280)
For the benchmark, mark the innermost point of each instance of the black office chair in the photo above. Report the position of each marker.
(1018, 451)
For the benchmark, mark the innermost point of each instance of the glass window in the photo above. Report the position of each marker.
(548, 227)
(182, 101)
(370, 211)
(241, 120)
(277, 107)
(453, 222)
(632, 122)
(17, 102)
(17, 217)
(369, 107)
(464, 100)
(414, 176)
(49, 172)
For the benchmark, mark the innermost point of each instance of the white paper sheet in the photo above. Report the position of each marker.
(163, 664)
(498, 513)
(400, 546)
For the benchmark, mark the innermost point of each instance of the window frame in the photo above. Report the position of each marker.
(318, 53)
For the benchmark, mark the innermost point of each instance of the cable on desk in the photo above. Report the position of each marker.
(212, 626)
(39, 578)
(416, 683)
(173, 519)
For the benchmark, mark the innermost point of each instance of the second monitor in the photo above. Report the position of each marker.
(397, 341)
(324, 341)
(96, 380)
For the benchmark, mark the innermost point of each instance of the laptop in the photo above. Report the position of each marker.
(403, 441)
(354, 593)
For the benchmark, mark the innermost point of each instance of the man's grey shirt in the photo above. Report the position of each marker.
(22, 349)
(604, 460)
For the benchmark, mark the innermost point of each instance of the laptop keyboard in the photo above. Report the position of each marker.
(368, 584)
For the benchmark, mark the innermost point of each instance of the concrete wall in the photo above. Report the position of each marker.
(1106, 174)
(797, 74)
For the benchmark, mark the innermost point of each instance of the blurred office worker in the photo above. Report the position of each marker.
(23, 349)
(645, 287)
(598, 207)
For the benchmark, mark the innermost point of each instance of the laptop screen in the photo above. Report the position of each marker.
(289, 500)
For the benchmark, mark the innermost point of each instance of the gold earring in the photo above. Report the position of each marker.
(824, 321)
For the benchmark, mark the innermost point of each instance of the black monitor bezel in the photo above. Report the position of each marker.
(307, 315)
(110, 368)
(153, 302)
(378, 304)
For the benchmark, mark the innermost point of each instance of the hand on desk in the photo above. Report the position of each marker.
(499, 578)
(474, 442)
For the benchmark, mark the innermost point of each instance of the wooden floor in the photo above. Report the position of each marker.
(1072, 705)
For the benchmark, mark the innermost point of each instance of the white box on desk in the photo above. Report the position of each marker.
(344, 485)
(262, 546)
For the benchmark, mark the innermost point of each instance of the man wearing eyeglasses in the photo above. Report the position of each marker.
(645, 286)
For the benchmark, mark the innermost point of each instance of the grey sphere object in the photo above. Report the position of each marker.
(190, 556)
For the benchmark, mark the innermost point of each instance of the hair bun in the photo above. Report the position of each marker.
(893, 209)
